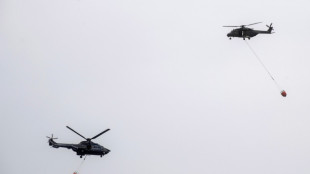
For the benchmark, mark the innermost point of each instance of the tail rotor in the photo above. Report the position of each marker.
(51, 140)
(51, 137)
(270, 28)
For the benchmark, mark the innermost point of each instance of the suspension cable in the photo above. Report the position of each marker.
(78, 168)
(283, 93)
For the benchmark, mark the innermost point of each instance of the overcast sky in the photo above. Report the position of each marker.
(177, 94)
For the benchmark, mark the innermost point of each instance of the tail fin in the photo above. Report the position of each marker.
(270, 28)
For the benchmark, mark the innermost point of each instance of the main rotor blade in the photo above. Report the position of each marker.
(230, 26)
(76, 132)
(253, 23)
(100, 134)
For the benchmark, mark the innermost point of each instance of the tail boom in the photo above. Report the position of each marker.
(269, 31)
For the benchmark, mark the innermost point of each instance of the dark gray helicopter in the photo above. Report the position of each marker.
(83, 148)
(245, 32)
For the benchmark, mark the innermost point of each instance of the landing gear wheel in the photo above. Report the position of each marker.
(230, 38)
(81, 156)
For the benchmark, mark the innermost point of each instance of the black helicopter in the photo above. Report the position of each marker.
(245, 32)
(83, 148)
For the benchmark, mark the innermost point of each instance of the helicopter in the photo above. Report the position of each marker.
(83, 148)
(245, 32)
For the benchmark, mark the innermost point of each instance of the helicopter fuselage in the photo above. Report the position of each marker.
(83, 148)
(246, 33)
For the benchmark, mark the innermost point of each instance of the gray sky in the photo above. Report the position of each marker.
(177, 94)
